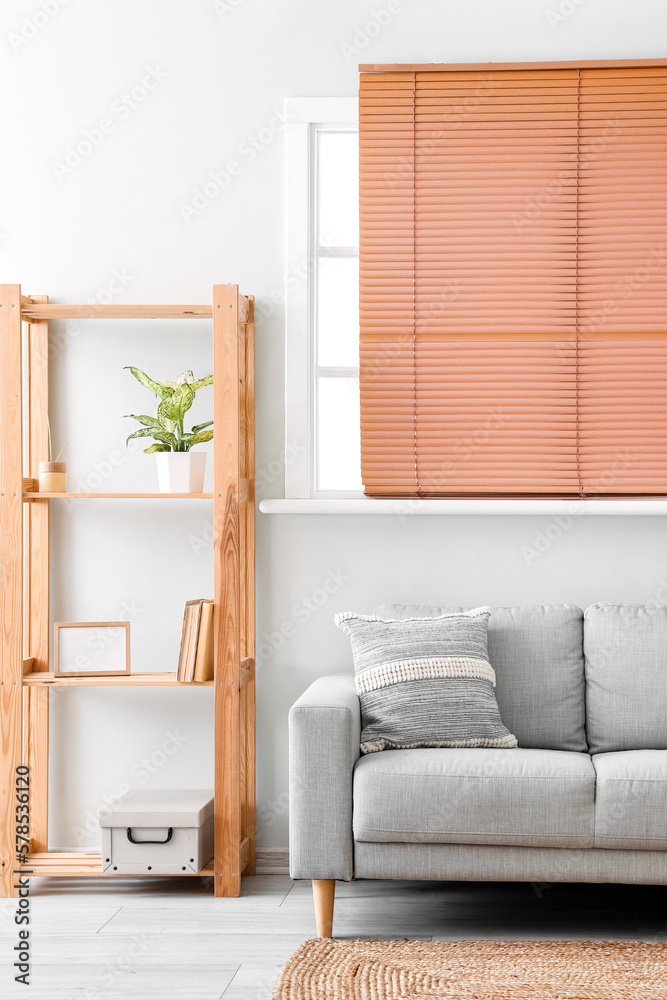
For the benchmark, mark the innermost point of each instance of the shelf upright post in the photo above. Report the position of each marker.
(247, 465)
(11, 576)
(36, 567)
(227, 369)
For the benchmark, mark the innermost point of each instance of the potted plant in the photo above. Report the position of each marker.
(180, 470)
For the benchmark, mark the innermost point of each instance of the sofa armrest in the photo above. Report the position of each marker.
(324, 734)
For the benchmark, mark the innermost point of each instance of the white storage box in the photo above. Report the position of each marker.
(163, 832)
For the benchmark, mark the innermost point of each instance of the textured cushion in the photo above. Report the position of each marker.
(538, 798)
(425, 681)
(631, 800)
(537, 654)
(626, 677)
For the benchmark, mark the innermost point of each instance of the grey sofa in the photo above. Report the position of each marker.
(582, 799)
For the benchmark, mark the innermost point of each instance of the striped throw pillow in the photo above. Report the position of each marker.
(425, 682)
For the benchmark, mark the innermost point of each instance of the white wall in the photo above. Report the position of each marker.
(226, 72)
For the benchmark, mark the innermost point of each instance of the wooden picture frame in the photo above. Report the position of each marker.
(87, 669)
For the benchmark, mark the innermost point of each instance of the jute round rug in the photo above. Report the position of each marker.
(475, 970)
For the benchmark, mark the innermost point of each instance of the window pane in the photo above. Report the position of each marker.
(338, 187)
(338, 312)
(338, 453)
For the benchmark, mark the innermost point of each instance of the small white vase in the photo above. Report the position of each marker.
(181, 471)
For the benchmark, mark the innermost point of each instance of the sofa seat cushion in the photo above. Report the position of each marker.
(538, 657)
(631, 800)
(530, 798)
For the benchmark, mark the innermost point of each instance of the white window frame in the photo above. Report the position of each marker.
(305, 117)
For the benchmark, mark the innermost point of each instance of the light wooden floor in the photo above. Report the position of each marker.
(171, 940)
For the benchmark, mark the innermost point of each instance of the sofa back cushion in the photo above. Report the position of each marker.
(537, 654)
(626, 677)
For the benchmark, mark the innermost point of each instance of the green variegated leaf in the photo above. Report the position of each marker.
(187, 398)
(200, 427)
(156, 447)
(141, 433)
(143, 419)
(201, 382)
(165, 437)
(201, 437)
(162, 391)
(177, 405)
(159, 435)
(168, 411)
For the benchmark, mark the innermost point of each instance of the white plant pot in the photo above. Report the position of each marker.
(181, 471)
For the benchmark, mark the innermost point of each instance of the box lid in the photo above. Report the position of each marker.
(159, 807)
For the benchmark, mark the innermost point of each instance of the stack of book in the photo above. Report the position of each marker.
(195, 661)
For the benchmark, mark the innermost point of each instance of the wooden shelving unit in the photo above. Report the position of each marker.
(25, 678)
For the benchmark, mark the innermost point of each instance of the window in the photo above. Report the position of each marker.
(322, 295)
(512, 291)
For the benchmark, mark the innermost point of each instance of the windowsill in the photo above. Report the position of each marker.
(520, 507)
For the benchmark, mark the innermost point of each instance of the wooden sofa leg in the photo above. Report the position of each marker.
(323, 895)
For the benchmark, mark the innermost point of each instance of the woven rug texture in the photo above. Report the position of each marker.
(475, 970)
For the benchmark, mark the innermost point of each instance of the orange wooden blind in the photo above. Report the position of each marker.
(512, 281)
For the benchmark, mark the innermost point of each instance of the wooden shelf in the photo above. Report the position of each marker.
(123, 680)
(72, 864)
(25, 576)
(117, 496)
(32, 310)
